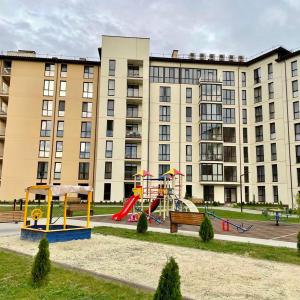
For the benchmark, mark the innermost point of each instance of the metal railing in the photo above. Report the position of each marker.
(133, 134)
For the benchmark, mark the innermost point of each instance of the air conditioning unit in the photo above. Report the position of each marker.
(192, 55)
(202, 56)
(211, 57)
(221, 57)
(231, 57)
(241, 58)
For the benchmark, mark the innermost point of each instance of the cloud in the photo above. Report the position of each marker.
(74, 27)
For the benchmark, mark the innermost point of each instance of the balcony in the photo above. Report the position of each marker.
(2, 133)
(133, 135)
(4, 92)
(3, 113)
(134, 117)
(131, 157)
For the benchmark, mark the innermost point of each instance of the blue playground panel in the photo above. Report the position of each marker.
(57, 233)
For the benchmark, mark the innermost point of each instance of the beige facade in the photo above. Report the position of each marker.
(229, 124)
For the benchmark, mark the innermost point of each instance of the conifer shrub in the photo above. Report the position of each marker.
(142, 224)
(41, 265)
(206, 231)
(169, 282)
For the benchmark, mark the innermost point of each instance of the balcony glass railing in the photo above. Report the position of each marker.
(133, 134)
(6, 71)
(133, 73)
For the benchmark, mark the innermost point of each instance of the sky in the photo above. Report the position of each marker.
(74, 27)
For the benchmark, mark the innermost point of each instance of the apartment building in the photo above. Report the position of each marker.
(231, 125)
(47, 121)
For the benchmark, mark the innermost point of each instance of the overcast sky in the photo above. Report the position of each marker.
(74, 27)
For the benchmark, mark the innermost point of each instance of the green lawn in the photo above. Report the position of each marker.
(63, 284)
(249, 250)
(245, 216)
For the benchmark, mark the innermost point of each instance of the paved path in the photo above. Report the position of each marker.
(7, 229)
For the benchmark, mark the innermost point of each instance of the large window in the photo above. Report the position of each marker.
(275, 193)
(49, 70)
(164, 132)
(258, 114)
(48, 87)
(133, 71)
(229, 154)
(244, 97)
(230, 174)
(86, 129)
(130, 170)
(133, 91)
(60, 129)
(228, 78)
(62, 88)
(271, 111)
(189, 95)
(109, 149)
(211, 151)
(131, 151)
(296, 110)
(211, 112)
(109, 128)
(47, 108)
(188, 133)
(188, 114)
(294, 68)
(297, 132)
(274, 152)
(211, 172)
(229, 134)
(57, 170)
(272, 131)
(257, 94)
(260, 170)
(189, 173)
(228, 97)
(260, 153)
(164, 113)
(112, 67)
(110, 108)
(42, 170)
(271, 90)
(164, 152)
(111, 87)
(211, 131)
(108, 170)
(164, 94)
(46, 127)
(229, 115)
(162, 169)
(261, 193)
(88, 72)
(83, 173)
(44, 149)
(61, 108)
(87, 90)
(188, 152)
(274, 173)
(87, 109)
(63, 70)
(85, 150)
(257, 75)
(244, 116)
(295, 88)
(211, 92)
(270, 71)
(59, 149)
(244, 79)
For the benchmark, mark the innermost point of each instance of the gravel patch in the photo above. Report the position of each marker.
(204, 274)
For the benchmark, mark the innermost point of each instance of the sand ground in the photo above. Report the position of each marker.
(204, 275)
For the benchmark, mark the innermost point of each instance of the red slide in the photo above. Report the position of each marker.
(126, 208)
(154, 205)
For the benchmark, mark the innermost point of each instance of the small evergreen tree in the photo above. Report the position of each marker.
(298, 242)
(41, 265)
(206, 231)
(169, 282)
(142, 224)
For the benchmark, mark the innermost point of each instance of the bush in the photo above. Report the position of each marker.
(206, 231)
(169, 282)
(142, 224)
(298, 242)
(41, 265)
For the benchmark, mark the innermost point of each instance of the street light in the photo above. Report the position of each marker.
(241, 190)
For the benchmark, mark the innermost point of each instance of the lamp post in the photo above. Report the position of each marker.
(241, 189)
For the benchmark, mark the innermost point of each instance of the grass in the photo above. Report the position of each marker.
(58, 211)
(63, 284)
(246, 216)
(285, 255)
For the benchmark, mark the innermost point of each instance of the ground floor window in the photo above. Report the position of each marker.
(261, 194)
(209, 193)
(246, 194)
(275, 193)
(128, 189)
(188, 191)
(230, 195)
(107, 191)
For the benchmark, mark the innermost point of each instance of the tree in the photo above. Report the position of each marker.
(298, 242)
(41, 265)
(206, 231)
(142, 224)
(169, 282)
(298, 204)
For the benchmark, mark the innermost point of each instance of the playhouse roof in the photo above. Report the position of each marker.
(59, 190)
(143, 173)
(174, 172)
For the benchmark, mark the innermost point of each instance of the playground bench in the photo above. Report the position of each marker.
(77, 207)
(184, 218)
(11, 216)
